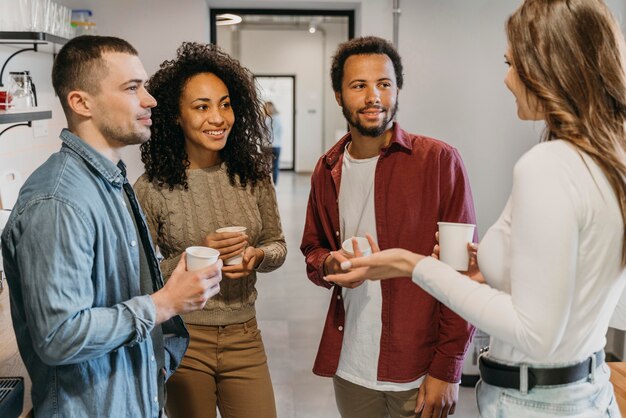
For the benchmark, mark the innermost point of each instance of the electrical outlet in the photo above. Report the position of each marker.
(40, 128)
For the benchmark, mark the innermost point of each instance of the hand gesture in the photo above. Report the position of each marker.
(473, 271)
(332, 264)
(229, 244)
(252, 257)
(187, 291)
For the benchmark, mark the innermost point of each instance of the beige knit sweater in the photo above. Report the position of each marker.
(182, 218)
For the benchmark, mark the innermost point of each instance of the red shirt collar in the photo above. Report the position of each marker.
(398, 136)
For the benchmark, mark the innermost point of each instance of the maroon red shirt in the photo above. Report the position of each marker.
(419, 181)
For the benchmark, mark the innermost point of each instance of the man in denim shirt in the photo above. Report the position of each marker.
(88, 304)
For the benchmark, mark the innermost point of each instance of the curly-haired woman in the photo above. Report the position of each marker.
(208, 166)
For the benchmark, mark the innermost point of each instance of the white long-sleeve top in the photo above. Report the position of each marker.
(552, 263)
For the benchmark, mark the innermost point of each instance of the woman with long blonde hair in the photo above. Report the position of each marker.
(550, 271)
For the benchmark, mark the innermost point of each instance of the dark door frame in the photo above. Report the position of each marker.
(281, 12)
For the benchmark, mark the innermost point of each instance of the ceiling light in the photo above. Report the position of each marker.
(312, 28)
(227, 19)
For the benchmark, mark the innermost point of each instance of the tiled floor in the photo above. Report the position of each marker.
(291, 312)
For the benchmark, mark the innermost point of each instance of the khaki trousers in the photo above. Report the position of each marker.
(355, 401)
(225, 366)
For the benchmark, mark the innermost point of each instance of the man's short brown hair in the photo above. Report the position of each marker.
(79, 64)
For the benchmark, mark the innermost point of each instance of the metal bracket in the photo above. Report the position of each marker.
(29, 124)
(34, 48)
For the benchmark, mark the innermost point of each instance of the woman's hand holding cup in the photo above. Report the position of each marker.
(229, 244)
(473, 271)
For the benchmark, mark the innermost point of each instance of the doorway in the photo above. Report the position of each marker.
(291, 46)
(280, 90)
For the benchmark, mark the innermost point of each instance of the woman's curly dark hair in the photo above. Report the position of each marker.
(247, 151)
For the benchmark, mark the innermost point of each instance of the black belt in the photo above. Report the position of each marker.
(524, 378)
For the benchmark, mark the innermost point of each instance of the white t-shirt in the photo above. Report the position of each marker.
(358, 361)
(552, 262)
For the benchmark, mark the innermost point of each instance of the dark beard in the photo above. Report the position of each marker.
(373, 131)
(125, 138)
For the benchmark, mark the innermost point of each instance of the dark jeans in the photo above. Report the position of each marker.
(275, 164)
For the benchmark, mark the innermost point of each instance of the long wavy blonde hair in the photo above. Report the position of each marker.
(571, 55)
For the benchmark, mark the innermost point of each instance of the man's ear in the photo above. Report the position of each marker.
(338, 98)
(80, 103)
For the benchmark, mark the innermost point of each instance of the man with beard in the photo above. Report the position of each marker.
(98, 331)
(384, 340)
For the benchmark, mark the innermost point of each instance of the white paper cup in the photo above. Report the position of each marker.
(453, 239)
(238, 259)
(201, 257)
(364, 246)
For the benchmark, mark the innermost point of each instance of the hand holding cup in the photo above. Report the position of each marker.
(230, 242)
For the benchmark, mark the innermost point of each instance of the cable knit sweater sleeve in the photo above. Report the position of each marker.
(271, 239)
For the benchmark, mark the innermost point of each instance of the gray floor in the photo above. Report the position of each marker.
(291, 312)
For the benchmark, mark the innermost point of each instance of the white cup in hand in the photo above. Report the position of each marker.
(363, 243)
(238, 259)
(199, 258)
(453, 240)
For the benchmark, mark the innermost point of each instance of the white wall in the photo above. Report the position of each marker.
(452, 53)
(299, 53)
(334, 121)
(279, 51)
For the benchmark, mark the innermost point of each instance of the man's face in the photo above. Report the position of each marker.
(369, 94)
(121, 108)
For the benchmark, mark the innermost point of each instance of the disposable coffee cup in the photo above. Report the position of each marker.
(453, 240)
(364, 246)
(199, 258)
(238, 259)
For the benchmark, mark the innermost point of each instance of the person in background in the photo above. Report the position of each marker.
(382, 342)
(549, 273)
(274, 124)
(207, 168)
(98, 331)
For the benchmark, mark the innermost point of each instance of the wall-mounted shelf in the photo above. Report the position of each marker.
(22, 118)
(37, 42)
(13, 116)
(29, 38)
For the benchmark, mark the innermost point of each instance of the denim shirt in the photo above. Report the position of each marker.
(71, 256)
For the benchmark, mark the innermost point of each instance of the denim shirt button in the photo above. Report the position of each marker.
(156, 399)
(133, 243)
(152, 358)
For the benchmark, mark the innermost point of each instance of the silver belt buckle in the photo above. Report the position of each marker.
(592, 372)
(523, 378)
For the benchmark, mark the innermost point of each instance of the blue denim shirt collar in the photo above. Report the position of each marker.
(105, 167)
